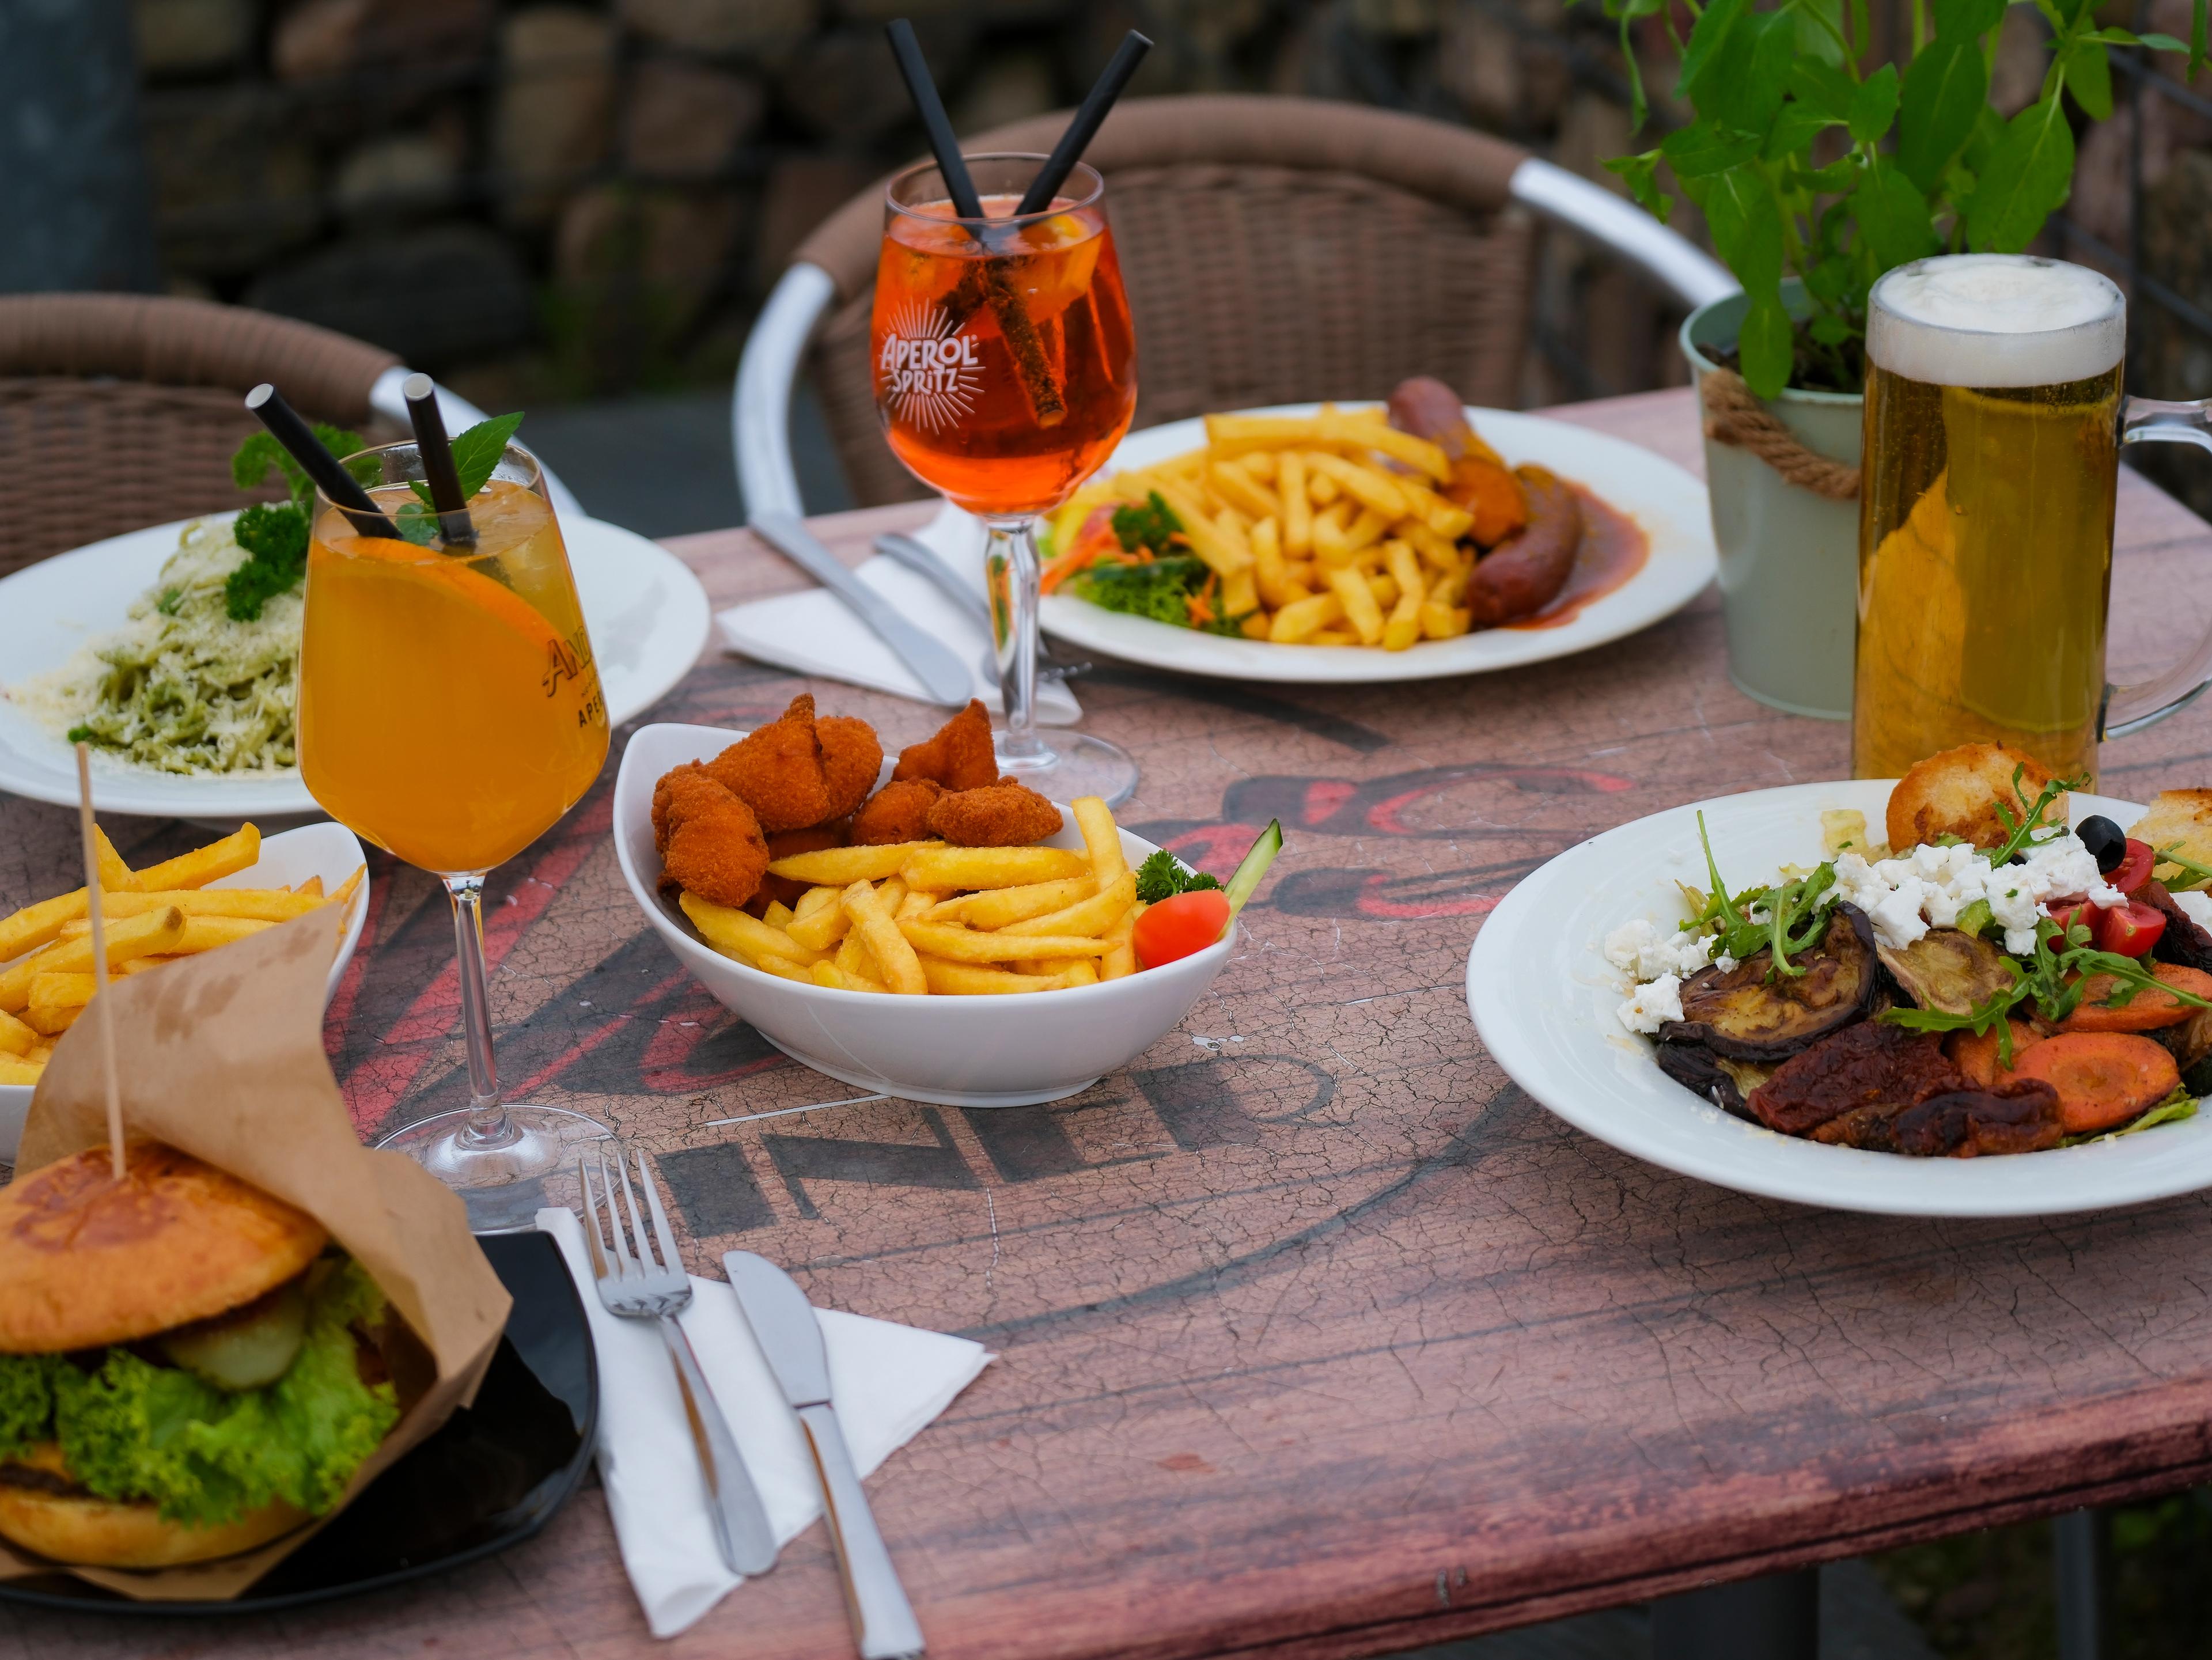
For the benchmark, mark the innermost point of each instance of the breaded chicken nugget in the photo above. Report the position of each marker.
(714, 846)
(786, 889)
(899, 812)
(852, 756)
(959, 757)
(776, 770)
(662, 792)
(1001, 815)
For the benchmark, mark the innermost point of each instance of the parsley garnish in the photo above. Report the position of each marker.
(1162, 877)
(275, 533)
(1151, 524)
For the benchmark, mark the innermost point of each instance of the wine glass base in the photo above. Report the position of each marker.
(1075, 764)
(504, 1183)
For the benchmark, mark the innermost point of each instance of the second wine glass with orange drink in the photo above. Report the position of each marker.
(450, 711)
(1005, 371)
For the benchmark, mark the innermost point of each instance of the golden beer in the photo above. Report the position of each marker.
(1985, 511)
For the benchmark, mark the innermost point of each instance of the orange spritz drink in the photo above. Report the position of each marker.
(449, 709)
(450, 713)
(1006, 372)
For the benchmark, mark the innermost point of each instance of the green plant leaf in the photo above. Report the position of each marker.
(1894, 218)
(1641, 174)
(1765, 345)
(1982, 143)
(1701, 150)
(1873, 106)
(2087, 75)
(1817, 39)
(1822, 87)
(1746, 226)
(1792, 135)
(1829, 330)
(2197, 38)
(2026, 179)
(1706, 40)
(1945, 90)
(1967, 19)
(1751, 91)
(2155, 42)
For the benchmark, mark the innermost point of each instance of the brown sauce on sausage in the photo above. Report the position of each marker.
(1614, 550)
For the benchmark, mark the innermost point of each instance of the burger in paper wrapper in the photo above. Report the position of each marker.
(187, 1368)
(201, 1364)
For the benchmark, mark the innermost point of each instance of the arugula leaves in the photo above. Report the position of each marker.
(2019, 831)
(1796, 914)
(1162, 877)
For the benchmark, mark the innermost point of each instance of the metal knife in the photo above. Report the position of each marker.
(932, 660)
(782, 1321)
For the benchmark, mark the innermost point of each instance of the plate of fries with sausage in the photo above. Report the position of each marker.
(1397, 541)
(200, 901)
(918, 924)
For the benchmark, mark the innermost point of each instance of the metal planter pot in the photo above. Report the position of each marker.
(1789, 557)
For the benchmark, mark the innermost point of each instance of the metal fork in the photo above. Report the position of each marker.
(903, 549)
(637, 1287)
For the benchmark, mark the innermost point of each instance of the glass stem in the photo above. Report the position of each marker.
(1010, 567)
(488, 1125)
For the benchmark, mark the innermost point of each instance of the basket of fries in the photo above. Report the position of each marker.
(919, 967)
(228, 889)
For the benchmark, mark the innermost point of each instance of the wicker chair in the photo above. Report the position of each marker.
(118, 412)
(1275, 250)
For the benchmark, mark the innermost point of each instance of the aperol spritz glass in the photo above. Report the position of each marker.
(1006, 372)
(450, 711)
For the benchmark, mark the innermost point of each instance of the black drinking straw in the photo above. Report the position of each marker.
(1084, 127)
(437, 456)
(301, 443)
(934, 122)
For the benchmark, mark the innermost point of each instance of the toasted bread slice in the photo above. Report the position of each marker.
(2178, 816)
(1957, 791)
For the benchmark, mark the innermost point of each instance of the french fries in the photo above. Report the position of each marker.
(1300, 518)
(926, 918)
(154, 916)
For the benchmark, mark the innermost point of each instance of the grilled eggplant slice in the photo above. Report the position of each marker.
(1741, 1016)
(1946, 969)
(1698, 1070)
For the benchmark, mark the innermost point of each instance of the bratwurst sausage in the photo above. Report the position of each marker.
(1525, 572)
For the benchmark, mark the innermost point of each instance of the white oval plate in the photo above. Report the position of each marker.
(1544, 997)
(288, 858)
(646, 612)
(1667, 502)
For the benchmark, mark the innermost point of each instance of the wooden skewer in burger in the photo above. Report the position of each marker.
(188, 1367)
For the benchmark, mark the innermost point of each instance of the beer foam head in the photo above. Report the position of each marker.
(1995, 320)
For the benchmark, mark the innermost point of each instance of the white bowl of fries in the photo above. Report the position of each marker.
(952, 1050)
(196, 901)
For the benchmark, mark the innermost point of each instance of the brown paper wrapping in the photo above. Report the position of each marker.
(221, 1054)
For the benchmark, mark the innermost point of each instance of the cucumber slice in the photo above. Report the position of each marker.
(248, 1347)
(1246, 882)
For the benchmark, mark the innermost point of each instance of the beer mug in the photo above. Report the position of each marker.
(1994, 423)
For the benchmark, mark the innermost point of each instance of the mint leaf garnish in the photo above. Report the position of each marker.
(476, 452)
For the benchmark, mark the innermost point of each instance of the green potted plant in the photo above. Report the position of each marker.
(1816, 175)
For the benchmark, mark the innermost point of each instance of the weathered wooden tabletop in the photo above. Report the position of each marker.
(1316, 1335)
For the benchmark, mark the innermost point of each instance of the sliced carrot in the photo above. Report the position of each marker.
(2103, 1078)
(1976, 1055)
(2146, 1010)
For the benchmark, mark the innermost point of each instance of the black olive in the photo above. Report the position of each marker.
(2106, 840)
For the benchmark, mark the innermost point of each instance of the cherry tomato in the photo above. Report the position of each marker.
(1180, 927)
(2132, 929)
(2134, 870)
(2069, 911)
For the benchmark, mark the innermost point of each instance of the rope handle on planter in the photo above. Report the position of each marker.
(1734, 415)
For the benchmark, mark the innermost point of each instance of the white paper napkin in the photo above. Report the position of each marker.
(887, 1381)
(813, 633)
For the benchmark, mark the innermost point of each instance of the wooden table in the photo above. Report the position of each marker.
(1316, 1337)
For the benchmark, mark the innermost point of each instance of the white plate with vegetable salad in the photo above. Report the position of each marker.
(1645, 505)
(648, 615)
(1614, 958)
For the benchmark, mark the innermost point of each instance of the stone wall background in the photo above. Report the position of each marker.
(548, 199)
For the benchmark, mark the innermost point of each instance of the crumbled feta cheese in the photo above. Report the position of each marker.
(1930, 886)
(1654, 1005)
(2197, 907)
(1645, 953)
